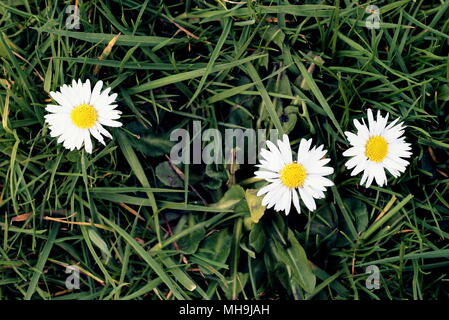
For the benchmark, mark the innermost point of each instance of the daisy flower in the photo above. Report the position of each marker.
(81, 112)
(377, 147)
(289, 180)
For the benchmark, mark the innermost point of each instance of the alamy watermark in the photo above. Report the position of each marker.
(373, 20)
(211, 146)
(372, 282)
(73, 20)
(72, 282)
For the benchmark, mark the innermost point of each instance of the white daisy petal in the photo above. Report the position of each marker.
(96, 92)
(87, 142)
(295, 199)
(55, 109)
(269, 188)
(288, 204)
(285, 149)
(281, 205)
(97, 135)
(307, 198)
(109, 122)
(274, 197)
(275, 152)
(266, 174)
(103, 131)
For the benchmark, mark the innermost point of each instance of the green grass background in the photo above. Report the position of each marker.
(139, 231)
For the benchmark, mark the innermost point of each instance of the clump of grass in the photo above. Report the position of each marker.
(307, 69)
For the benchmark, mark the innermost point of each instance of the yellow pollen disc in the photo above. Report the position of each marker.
(376, 149)
(84, 116)
(293, 175)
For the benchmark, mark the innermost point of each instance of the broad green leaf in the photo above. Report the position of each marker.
(255, 206)
(168, 176)
(359, 211)
(216, 248)
(257, 237)
(295, 257)
(189, 244)
(231, 198)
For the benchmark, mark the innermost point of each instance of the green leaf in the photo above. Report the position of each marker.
(168, 176)
(377, 224)
(153, 146)
(359, 211)
(123, 40)
(217, 51)
(43, 257)
(295, 257)
(48, 77)
(231, 198)
(190, 75)
(275, 34)
(136, 167)
(98, 241)
(304, 10)
(265, 97)
(214, 178)
(443, 93)
(147, 258)
(250, 252)
(179, 274)
(189, 244)
(318, 95)
(257, 237)
(255, 206)
(216, 248)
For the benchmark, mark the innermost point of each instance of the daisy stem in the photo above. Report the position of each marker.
(286, 231)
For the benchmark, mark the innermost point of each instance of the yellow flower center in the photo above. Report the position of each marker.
(84, 116)
(376, 149)
(293, 175)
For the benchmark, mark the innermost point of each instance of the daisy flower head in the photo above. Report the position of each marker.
(82, 111)
(376, 147)
(291, 180)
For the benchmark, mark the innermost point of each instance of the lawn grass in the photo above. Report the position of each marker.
(136, 230)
